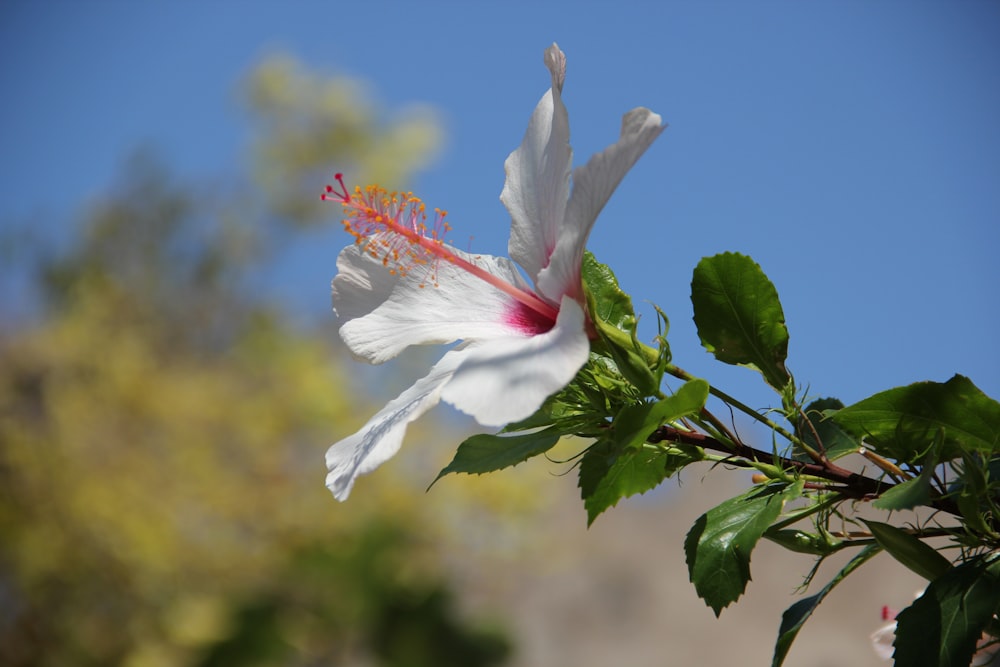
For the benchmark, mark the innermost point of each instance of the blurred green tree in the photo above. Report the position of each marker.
(162, 432)
(307, 118)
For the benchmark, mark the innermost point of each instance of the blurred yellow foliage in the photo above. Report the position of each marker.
(162, 432)
(157, 484)
(309, 118)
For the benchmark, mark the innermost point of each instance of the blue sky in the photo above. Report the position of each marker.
(851, 148)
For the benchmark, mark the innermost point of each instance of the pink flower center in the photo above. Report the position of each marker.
(392, 227)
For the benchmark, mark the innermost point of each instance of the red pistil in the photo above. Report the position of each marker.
(392, 226)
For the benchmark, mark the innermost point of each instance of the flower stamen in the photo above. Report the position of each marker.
(392, 226)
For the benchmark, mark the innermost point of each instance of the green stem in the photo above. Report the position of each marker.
(682, 374)
(798, 515)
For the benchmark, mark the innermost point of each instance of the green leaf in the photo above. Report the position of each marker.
(909, 550)
(913, 492)
(944, 624)
(635, 423)
(607, 300)
(906, 495)
(739, 317)
(620, 466)
(971, 491)
(719, 544)
(624, 475)
(834, 440)
(631, 363)
(486, 453)
(902, 423)
(795, 616)
(594, 465)
(614, 318)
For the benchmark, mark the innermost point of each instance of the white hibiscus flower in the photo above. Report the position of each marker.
(401, 285)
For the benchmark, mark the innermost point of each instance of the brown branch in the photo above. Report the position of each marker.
(852, 484)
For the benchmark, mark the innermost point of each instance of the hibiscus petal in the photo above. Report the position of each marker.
(537, 186)
(381, 314)
(593, 185)
(508, 379)
(362, 282)
(882, 640)
(381, 437)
